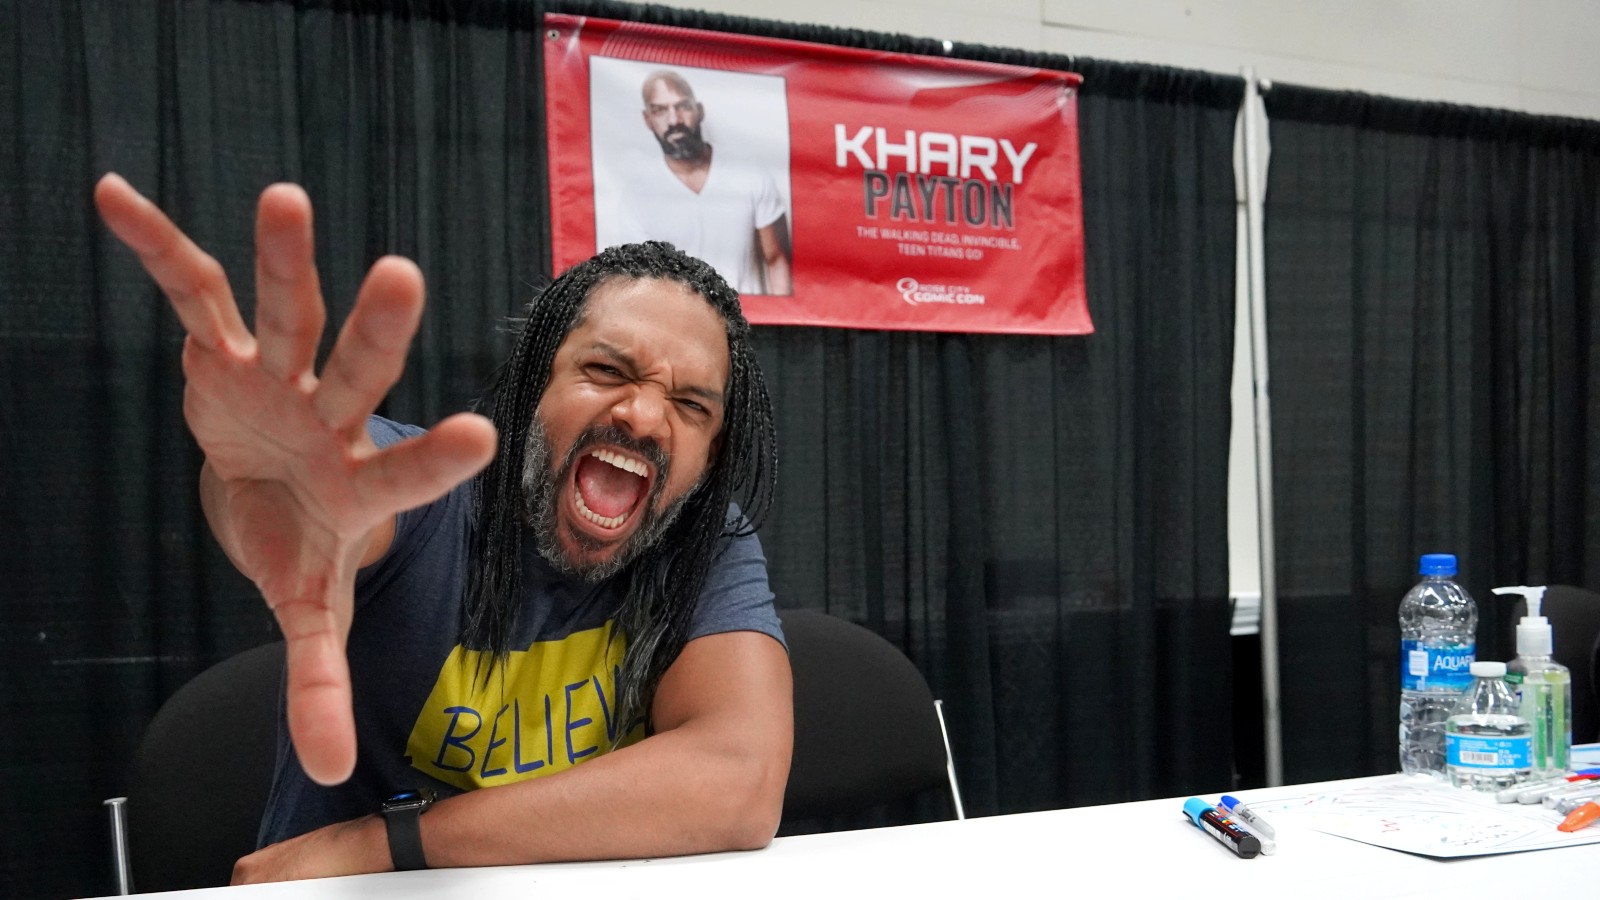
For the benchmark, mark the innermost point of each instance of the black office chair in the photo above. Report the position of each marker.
(201, 775)
(867, 728)
(1574, 615)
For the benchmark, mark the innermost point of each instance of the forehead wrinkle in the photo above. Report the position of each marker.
(626, 360)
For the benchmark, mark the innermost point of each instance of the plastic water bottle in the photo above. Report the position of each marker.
(1488, 745)
(1438, 642)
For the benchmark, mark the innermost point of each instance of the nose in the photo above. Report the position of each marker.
(642, 412)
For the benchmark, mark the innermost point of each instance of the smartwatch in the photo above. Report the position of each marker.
(400, 814)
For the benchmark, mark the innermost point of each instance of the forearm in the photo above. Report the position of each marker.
(671, 794)
(780, 278)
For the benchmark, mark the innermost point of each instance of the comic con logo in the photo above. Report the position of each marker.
(916, 293)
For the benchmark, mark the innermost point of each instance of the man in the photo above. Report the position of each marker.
(612, 686)
(715, 207)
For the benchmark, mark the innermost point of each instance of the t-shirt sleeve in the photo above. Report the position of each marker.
(412, 528)
(736, 596)
(768, 202)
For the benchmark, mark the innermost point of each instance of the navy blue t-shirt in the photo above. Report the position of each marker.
(424, 715)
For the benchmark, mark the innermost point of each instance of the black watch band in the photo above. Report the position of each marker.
(401, 813)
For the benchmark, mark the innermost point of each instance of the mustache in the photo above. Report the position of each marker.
(596, 435)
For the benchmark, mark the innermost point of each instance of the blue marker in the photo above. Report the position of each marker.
(1209, 819)
(1252, 821)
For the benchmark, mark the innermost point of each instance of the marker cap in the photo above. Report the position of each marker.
(1580, 817)
(1193, 807)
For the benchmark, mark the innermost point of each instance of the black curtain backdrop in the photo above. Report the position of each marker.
(1431, 281)
(1039, 522)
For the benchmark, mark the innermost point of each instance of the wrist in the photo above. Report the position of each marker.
(372, 844)
(402, 820)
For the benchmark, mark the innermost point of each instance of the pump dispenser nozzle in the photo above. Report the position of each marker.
(1533, 632)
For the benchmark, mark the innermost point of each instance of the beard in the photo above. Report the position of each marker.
(541, 489)
(688, 144)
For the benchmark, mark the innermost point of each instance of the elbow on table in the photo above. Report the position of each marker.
(750, 829)
(749, 812)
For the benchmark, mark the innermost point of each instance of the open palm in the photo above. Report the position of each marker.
(293, 487)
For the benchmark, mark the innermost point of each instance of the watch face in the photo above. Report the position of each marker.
(411, 799)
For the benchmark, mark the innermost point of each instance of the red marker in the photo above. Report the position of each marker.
(1580, 817)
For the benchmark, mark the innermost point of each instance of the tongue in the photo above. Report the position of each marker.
(607, 490)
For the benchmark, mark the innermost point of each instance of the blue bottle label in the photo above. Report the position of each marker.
(1439, 667)
(1468, 752)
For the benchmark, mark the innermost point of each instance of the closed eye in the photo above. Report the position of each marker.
(601, 371)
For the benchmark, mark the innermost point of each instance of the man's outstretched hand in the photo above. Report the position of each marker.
(294, 489)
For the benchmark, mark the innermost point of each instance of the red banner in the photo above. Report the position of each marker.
(830, 186)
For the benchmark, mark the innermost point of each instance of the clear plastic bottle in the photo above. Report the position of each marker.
(1488, 746)
(1542, 686)
(1438, 642)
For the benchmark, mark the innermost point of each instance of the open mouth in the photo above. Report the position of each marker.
(609, 489)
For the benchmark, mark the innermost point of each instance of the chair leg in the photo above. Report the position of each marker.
(121, 870)
(949, 761)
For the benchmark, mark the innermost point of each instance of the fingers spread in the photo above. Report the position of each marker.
(289, 308)
(321, 721)
(193, 281)
(371, 351)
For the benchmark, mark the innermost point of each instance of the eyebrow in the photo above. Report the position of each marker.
(621, 356)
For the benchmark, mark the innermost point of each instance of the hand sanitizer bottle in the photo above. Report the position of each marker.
(1543, 687)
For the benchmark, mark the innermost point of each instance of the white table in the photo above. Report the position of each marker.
(1121, 850)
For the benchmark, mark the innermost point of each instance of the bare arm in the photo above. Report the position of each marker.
(293, 487)
(774, 241)
(711, 778)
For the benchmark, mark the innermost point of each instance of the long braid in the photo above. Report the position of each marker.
(659, 589)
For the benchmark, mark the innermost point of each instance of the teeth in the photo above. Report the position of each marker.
(625, 463)
(591, 515)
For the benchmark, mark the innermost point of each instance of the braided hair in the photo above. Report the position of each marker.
(661, 586)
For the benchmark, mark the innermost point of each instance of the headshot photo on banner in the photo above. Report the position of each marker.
(698, 157)
(831, 186)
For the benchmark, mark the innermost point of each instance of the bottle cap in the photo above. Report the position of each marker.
(1488, 670)
(1533, 632)
(1437, 564)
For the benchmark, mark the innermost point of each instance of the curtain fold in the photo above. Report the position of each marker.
(1038, 522)
(414, 134)
(1430, 285)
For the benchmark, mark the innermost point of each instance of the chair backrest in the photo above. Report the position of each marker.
(1574, 615)
(867, 731)
(202, 772)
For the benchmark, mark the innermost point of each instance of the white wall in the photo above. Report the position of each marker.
(1537, 56)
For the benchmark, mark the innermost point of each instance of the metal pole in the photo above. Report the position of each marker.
(120, 869)
(1254, 187)
(949, 761)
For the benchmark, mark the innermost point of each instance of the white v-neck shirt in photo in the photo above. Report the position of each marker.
(718, 224)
